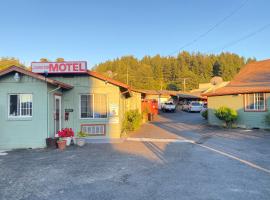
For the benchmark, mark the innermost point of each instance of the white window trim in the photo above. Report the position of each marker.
(18, 117)
(93, 103)
(254, 96)
(94, 125)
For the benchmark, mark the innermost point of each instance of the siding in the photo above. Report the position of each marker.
(33, 132)
(88, 84)
(236, 102)
(71, 99)
(19, 133)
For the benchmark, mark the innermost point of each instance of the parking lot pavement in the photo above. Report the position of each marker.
(250, 145)
(129, 170)
(169, 125)
(146, 170)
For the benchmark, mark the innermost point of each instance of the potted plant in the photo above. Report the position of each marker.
(51, 142)
(61, 143)
(80, 140)
(66, 134)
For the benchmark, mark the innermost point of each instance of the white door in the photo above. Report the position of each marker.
(57, 113)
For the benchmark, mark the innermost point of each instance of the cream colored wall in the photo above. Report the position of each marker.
(88, 84)
(130, 103)
(134, 102)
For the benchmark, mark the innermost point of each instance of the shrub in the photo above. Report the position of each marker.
(82, 134)
(228, 115)
(132, 121)
(267, 118)
(205, 114)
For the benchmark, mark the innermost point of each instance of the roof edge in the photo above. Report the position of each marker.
(256, 90)
(34, 75)
(109, 80)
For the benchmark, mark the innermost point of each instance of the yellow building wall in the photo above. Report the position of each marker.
(88, 84)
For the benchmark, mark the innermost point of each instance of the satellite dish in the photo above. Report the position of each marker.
(216, 80)
(111, 74)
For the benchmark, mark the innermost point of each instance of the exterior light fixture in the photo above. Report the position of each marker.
(17, 77)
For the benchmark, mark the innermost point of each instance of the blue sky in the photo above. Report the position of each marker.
(98, 30)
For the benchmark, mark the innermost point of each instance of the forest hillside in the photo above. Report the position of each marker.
(183, 72)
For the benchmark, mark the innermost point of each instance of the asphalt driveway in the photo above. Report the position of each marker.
(251, 145)
(200, 162)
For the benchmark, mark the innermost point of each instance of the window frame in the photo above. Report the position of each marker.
(93, 103)
(19, 116)
(92, 125)
(246, 96)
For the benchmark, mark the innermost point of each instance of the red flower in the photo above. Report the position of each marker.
(66, 132)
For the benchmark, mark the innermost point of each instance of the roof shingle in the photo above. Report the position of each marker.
(253, 77)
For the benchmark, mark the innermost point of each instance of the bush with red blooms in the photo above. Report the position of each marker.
(66, 132)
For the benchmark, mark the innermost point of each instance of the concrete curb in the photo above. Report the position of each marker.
(159, 140)
(104, 141)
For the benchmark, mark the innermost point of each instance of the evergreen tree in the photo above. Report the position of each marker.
(7, 62)
(216, 69)
(158, 72)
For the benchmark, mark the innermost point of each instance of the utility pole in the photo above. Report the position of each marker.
(184, 84)
(161, 84)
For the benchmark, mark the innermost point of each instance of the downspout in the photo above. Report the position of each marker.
(48, 92)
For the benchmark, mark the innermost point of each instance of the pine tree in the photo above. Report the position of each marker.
(216, 69)
(158, 72)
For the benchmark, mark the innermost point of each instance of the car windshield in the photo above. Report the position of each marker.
(195, 104)
(169, 103)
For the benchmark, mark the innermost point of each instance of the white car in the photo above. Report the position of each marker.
(168, 106)
(194, 106)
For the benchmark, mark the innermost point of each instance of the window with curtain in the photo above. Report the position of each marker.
(93, 106)
(20, 105)
(255, 102)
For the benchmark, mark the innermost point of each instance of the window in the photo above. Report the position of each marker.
(86, 106)
(93, 106)
(20, 105)
(255, 102)
(100, 106)
(196, 104)
(93, 129)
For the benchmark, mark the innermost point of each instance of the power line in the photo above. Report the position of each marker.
(243, 38)
(210, 29)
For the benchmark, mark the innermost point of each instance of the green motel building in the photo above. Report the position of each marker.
(248, 93)
(36, 104)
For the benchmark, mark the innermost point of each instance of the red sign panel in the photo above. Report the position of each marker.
(59, 67)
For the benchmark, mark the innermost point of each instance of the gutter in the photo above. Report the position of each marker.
(54, 89)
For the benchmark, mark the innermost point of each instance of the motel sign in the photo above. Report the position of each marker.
(59, 67)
